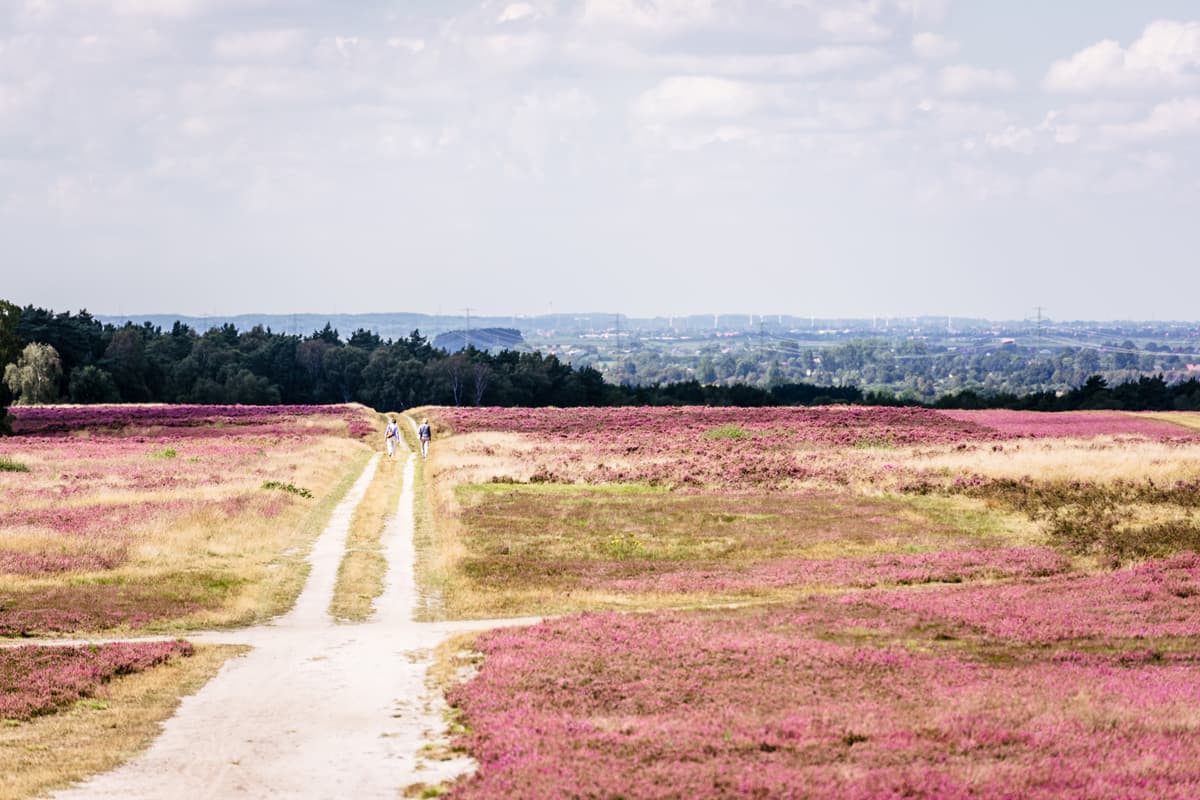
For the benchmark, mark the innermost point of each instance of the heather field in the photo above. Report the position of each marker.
(40, 680)
(128, 518)
(120, 521)
(851, 602)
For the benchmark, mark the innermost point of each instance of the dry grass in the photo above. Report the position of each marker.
(455, 661)
(361, 575)
(1101, 459)
(600, 523)
(508, 550)
(438, 546)
(220, 566)
(974, 518)
(485, 456)
(478, 559)
(359, 582)
(269, 561)
(53, 752)
(436, 532)
(1184, 418)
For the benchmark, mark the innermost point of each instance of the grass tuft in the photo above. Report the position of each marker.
(727, 432)
(8, 465)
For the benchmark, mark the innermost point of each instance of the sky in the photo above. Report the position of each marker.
(646, 157)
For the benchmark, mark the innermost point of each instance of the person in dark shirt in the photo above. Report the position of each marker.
(425, 434)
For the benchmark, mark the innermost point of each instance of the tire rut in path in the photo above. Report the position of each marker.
(316, 709)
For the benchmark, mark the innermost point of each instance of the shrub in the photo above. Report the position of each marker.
(288, 487)
(8, 465)
(1086, 517)
(1157, 540)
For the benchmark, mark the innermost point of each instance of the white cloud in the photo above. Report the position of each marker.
(686, 140)
(406, 43)
(698, 96)
(156, 8)
(925, 12)
(409, 100)
(16, 98)
(543, 122)
(821, 60)
(515, 12)
(854, 23)
(67, 193)
(567, 105)
(838, 115)
(891, 83)
(37, 10)
(964, 79)
(983, 184)
(1013, 138)
(1142, 172)
(407, 140)
(197, 126)
(1167, 54)
(1177, 117)
(952, 120)
(933, 47)
(509, 51)
(257, 45)
(650, 15)
(1062, 132)
(249, 90)
(812, 62)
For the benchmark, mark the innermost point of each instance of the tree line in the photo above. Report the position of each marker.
(63, 357)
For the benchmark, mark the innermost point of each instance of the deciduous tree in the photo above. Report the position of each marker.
(34, 378)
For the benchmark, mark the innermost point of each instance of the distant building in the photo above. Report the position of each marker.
(480, 339)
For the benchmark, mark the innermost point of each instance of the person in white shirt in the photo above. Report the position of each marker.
(390, 436)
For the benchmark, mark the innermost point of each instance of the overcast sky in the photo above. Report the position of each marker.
(827, 157)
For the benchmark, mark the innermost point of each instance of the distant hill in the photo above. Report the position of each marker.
(480, 339)
(394, 325)
(386, 325)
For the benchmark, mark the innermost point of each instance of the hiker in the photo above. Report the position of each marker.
(424, 433)
(390, 436)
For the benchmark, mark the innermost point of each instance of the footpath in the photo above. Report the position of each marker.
(318, 708)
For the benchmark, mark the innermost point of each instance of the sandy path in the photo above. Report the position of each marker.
(317, 709)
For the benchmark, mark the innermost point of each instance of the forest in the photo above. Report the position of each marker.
(53, 357)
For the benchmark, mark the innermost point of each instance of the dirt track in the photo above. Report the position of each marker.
(317, 709)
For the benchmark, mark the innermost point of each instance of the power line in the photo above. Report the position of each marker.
(1038, 309)
(1105, 348)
